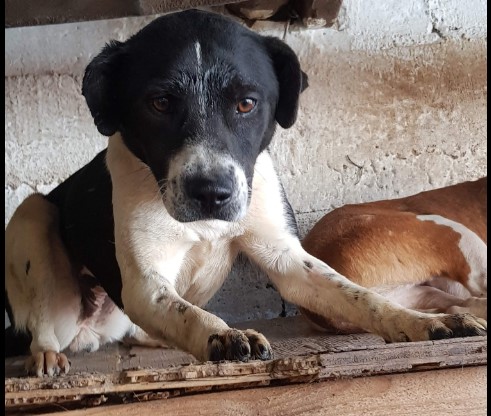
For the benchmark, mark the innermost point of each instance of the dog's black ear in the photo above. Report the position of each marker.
(97, 88)
(292, 80)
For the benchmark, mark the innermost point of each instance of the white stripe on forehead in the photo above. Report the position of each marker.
(199, 80)
(197, 48)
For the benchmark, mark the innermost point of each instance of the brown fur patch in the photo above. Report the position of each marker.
(384, 243)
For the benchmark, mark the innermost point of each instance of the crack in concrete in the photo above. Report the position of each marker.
(435, 21)
(434, 29)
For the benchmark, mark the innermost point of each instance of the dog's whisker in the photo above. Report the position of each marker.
(148, 174)
(140, 169)
(162, 189)
(258, 172)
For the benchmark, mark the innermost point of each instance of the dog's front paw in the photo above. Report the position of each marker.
(441, 326)
(260, 347)
(233, 344)
(458, 325)
(48, 363)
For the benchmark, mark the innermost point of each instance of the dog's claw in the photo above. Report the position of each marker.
(48, 363)
(233, 344)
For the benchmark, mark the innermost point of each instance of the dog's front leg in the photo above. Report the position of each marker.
(150, 249)
(154, 305)
(313, 285)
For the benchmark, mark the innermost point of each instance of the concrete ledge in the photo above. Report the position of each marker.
(360, 25)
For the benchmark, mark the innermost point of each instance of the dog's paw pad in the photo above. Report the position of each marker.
(48, 363)
(236, 345)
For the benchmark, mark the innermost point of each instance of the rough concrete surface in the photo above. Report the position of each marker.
(396, 105)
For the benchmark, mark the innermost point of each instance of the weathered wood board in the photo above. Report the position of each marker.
(453, 392)
(120, 373)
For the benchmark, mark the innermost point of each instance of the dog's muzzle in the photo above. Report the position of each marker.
(208, 188)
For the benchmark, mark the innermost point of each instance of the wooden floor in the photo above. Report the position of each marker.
(120, 374)
(455, 392)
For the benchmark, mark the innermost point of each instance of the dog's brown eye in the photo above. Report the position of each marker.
(246, 105)
(161, 104)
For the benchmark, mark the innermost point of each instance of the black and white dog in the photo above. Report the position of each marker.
(154, 223)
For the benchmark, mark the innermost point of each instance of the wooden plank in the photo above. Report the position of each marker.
(43, 12)
(453, 392)
(289, 337)
(301, 355)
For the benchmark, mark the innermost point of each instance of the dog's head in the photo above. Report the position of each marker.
(196, 97)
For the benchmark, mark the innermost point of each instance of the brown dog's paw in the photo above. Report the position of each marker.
(48, 363)
(458, 325)
(233, 344)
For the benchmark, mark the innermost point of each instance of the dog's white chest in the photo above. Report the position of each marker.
(204, 269)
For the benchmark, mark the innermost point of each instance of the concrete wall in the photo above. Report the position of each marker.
(396, 105)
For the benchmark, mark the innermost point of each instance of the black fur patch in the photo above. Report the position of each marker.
(87, 284)
(308, 264)
(216, 350)
(161, 298)
(87, 224)
(289, 214)
(440, 333)
(28, 267)
(181, 307)
(16, 342)
(404, 337)
(283, 308)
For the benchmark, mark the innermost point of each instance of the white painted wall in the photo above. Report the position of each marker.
(396, 105)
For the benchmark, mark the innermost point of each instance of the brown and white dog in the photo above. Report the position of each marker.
(152, 225)
(425, 252)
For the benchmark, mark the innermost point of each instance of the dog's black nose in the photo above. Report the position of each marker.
(211, 194)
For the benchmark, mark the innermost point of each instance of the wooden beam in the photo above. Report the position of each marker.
(44, 12)
(452, 392)
(306, 358)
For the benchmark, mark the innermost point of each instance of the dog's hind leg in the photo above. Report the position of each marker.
(41, 288)
(473, 249)
(427, 298)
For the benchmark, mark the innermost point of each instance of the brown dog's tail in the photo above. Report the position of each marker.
(16, 342)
